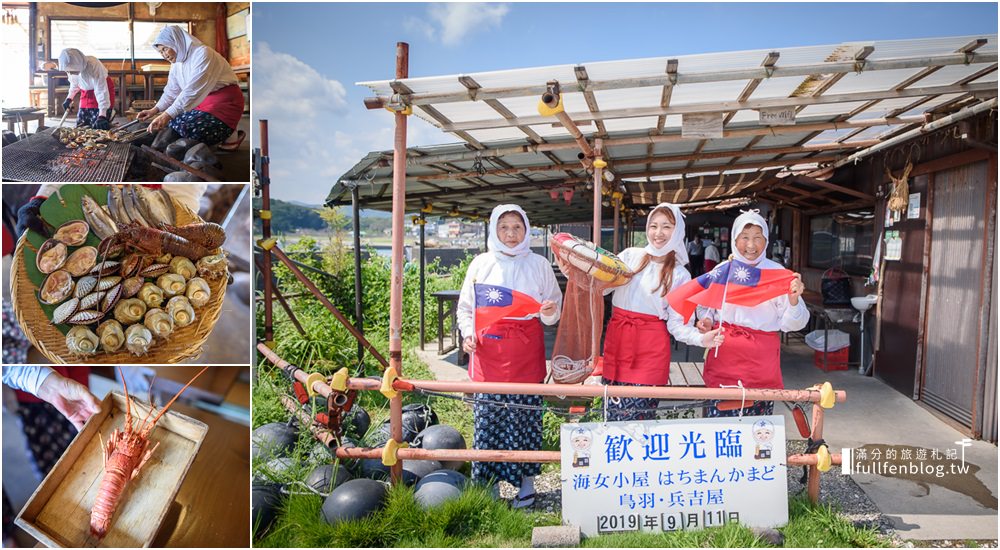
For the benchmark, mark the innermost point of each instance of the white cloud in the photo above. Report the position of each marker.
(287, 88)
(451, 22)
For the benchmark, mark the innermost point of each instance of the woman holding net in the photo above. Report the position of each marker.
(510, 350)
(637, 341)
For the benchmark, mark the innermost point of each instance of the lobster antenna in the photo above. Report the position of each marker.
(149, 399)
(128, 402)
(171, 402)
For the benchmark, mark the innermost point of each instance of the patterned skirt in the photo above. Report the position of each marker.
(759, 408)
(201, 126)
(501, 428)
(87, 117)
(48, 432)
(630, 408)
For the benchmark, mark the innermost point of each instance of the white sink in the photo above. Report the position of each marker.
(864, 303)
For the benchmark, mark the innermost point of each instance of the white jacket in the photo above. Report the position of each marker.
(92, 75)
(197, 72)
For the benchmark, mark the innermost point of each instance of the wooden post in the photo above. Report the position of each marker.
(265, 224)
(614, 239)
(359, 313)
(396, 281)
(423, 275)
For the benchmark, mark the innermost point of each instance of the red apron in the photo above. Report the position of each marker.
(753, 356)
(80, 374)
(510, 351)
(637, 349)
(88, 99)
(226, 104)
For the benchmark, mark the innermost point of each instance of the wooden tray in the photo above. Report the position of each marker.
(58, 512)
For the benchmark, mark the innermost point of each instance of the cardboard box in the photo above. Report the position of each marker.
(58, 513)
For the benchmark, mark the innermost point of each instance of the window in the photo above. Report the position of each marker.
(106, 39)
(843, 240)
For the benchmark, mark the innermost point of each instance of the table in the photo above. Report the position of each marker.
(829, 317)
(118, 75)
(149, 79)
(449, 297)
(212, 506)
(23, 119)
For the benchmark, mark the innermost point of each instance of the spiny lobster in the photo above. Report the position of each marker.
(193, 241)
(124, 456)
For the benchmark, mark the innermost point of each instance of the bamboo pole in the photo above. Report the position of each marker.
(325, 437)
(396, 280)
(815, 435)
(265, 224)
(278, 253)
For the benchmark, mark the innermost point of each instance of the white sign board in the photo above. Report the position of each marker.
(668, 475)
(913, 207)
(777, 116)
(701, 125)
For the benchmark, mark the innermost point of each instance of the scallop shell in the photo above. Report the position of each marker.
(132, 264)
(132, 286)
(213, 267)
(84, 286)
(105, 283)
(85, 317)
(111, 298)
(65, 311)
(130, 311)
(57, 287)
(171, 284)
(198, 292)
(181, 311)
(91, 300)
(159, 323)
(82, 341)
(137, 339)
(105, 268)
(111, 334)
(152, 295)
(72, 233)
(51, 256)
(81, 261)
(154, 270)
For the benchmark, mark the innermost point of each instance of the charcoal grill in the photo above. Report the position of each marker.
(41, 157)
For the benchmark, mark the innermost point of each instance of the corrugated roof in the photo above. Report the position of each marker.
(839, 93)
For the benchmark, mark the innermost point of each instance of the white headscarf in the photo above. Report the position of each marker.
(177, 39)
(676, 241)
(749, 217)
(493, 243)
(72, 59)
(90, 74)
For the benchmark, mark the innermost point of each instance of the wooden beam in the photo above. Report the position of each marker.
(724, 106)
(588, 95)
(834, 187)
(914, 62)
(769, 61)
(668, 90)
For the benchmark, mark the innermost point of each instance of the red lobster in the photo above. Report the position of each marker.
(124, 456)
(193, 242)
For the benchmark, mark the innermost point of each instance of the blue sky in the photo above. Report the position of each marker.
(307, 57)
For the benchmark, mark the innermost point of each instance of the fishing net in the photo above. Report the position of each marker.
(590, 270)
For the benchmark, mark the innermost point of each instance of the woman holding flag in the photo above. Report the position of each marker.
(637, 343)
(755, 298)
(507, 290)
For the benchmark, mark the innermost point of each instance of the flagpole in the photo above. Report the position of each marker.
(725, 290)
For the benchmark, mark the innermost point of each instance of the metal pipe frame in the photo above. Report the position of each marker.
(265, 224)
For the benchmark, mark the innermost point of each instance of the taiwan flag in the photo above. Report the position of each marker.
(748, 286)
(496, 302)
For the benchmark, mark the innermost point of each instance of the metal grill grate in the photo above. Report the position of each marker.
(42, 158)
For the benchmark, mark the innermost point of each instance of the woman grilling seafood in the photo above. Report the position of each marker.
(202, 99)
(89, 77)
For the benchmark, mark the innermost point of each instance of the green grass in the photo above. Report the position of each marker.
(477, 520)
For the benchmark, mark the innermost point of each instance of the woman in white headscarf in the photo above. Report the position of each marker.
(88, 77)
(202, 99)
(511, 350)
(637, 341)
(751, 355)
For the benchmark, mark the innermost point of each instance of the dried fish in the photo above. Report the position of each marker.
(155, 206)
(100, 222)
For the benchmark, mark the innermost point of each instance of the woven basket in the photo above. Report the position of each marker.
(184, 343)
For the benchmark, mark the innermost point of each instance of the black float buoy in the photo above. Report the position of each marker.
(354, 499)
(441, 436)
(327, 477)
(264, 502)
(272, 440)
(417, 469)
(438, 487)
